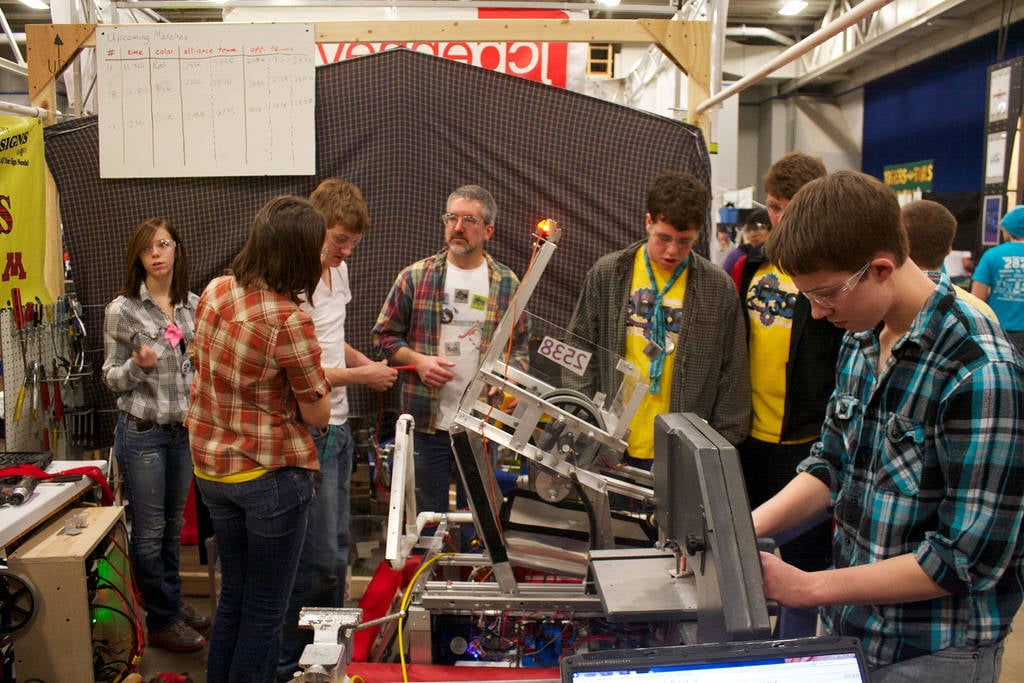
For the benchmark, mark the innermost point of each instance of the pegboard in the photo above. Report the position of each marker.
(49, 346)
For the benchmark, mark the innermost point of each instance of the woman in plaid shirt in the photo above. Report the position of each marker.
(147, 330)
(258, 387)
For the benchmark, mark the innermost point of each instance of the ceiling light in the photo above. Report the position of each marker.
(608, 3)
(790, 9)
(35, 4)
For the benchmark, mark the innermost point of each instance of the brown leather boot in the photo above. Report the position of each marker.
(190, 616)
(178, 637)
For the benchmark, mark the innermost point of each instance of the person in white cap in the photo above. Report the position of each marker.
(999, 277)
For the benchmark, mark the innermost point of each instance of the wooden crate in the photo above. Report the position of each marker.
(60, 569)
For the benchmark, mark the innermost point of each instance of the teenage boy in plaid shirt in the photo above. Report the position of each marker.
(919, 456)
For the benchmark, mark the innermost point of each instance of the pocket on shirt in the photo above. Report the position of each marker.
(902, 456)
(847, 415)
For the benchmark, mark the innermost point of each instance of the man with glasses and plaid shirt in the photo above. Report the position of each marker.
(919, 458)
(440, 316)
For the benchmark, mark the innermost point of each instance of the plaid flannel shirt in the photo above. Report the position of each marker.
(925, 458)
(255, 353)
(160, 394)
(411, 316)
(710, 375)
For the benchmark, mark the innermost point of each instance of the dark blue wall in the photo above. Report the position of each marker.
(935, 110)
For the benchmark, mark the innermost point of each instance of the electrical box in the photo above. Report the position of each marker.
(1003, 180)
(81, 587)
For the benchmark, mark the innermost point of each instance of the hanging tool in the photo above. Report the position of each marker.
(33, 380)
(44, 395)
(58, 403)
(74, 308)
(18, 314)
(19, 403)
(58, 414)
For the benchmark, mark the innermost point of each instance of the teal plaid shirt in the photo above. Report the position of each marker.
(411, 316)
(927, 459)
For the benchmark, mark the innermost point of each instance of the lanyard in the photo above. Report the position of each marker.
(657, 328)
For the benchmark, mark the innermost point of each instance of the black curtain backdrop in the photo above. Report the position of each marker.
(407, 128)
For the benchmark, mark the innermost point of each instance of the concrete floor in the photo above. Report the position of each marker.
(196, 584)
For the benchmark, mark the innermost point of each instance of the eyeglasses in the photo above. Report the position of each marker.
(682, 242)
(469, 220)
(825, 296)
(163, 245)
(754, 227)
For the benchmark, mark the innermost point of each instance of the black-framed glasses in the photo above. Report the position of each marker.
(469, 220)
(825, 296)
(754, 227)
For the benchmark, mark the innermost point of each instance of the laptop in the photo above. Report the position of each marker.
(800, 660)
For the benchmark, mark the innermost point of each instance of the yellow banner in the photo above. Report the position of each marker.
(22, 209)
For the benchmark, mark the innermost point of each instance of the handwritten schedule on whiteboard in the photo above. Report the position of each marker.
(197, 100)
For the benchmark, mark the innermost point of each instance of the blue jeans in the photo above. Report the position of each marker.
(260, 526)
(952, 665)
(320, 580)
(345, 455)
(158, 466)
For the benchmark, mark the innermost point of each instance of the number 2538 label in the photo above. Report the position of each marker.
(570, 358)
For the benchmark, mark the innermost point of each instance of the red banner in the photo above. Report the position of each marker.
(535, 61)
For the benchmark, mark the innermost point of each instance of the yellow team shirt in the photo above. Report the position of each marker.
(770, 301)
(641, 303)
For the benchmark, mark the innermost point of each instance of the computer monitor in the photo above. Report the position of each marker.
(702, 508)
(824, 659)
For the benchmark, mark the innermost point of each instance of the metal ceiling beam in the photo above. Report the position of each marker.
(738, 33)
(909, 49)
(663, 9)
(796, 51)
(11, 39)
(827, 58)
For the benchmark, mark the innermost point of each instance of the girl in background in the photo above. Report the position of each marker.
(147, 331)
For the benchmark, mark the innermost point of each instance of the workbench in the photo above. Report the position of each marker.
(47, 500)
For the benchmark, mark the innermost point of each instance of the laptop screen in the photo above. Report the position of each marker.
(808, 660)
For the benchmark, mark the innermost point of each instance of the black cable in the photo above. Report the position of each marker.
(134, 640)
(115, 611)
(100, 583)
(1005, 14)
(134, 623)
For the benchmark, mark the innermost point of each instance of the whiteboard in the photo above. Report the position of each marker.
(206, 100)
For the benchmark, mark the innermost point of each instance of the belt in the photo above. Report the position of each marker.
(145, 425)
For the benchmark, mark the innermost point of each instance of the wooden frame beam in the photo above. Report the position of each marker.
(51, 47)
